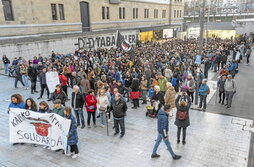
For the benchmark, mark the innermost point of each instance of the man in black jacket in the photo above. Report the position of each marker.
(32, 73)
(119, 108)
(77, 102)
(42, 78)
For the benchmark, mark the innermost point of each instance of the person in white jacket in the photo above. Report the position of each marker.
(103, 104)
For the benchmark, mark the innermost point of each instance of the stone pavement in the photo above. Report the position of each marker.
(212, 141)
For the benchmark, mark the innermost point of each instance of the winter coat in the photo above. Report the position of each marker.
(32, 73)
(119, 108)
(191, 85)
(75, 81)
(85, 85)
(135, 85)
(5, 60)
(143, 85)
(73, 134)
(203, 90)
(43, 78)
(168, 73)
(91, 101)
(183, 123)
(221, 84)
(20, 105)
(163, 84)
(59, 111)
(63, 80)
(46, 110)
(77, 102)
(170, 97)
(158, 97)
(162, 123)
(62, 96)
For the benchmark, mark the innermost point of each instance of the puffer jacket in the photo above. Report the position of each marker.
(73, 134)
(162, 123)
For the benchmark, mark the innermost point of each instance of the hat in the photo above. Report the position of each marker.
(166, 107)
(57, 101)
(229, 75)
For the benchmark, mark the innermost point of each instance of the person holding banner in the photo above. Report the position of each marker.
(31, 105)
(16, 102)
(58, 107)
(73, 134)
(44, 107)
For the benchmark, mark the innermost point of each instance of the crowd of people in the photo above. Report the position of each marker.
(104, 80)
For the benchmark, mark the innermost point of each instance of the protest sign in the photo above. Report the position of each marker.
(52, 79)
(38, 128)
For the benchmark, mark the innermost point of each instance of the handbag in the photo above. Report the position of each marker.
(91, 107)
(181, 115)
(135, 95)
(102, 108)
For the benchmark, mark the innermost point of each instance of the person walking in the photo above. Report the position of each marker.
(24, 73)
(182, 120)
(103, 104)
(91, 107)
(63, 81)
(119, 109)
(72, 137)
(6, 62)
(162, 128)
(32, 73)
(42, 78)
(170, 98)
(203, 91)
(18, 76)
(230, 90)
(77, 102)
(248, 53)
(221, 88)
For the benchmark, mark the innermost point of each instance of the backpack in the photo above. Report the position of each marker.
(174, 83)
(182, 115)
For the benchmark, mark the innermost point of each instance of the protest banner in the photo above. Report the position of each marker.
(37, 128)
(52, 80)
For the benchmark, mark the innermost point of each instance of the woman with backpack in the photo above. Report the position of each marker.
(183, 103)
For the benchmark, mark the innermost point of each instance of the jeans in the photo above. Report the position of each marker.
(117, 122)
(179, 133)
(158, 141)
(229, 97)
(6, 68)
(20, 80)
(79, 116)
(103, 117)
(221, 97)
(202, 100)
(25, 80)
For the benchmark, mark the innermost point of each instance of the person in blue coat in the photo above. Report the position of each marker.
(203, 91)
(16, 102)
(73, 134)
(162, 128)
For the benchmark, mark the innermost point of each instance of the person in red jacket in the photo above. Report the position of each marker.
(63, 81)
(91, 107)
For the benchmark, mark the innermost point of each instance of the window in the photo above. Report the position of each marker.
(155, 13)
(146, 13)
(61, 11)
(163, 13)
(54, 11)
(7, 8)
(103, 12)
(107, 12)
(177, 13)
(135, 13)
(121, 13)
(180, 13)
(174, 13)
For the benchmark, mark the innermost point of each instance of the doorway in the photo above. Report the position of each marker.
(84, 13)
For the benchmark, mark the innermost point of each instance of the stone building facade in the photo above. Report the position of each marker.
(26, 17)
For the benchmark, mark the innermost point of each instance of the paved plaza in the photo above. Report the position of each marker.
(212, 141)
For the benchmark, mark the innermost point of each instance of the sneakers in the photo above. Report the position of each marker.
(155, 156)
(109, 120)
(75, 156)
(176, 157)
(70, 154)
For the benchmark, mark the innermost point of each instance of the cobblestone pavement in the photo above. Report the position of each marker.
(212, 141)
